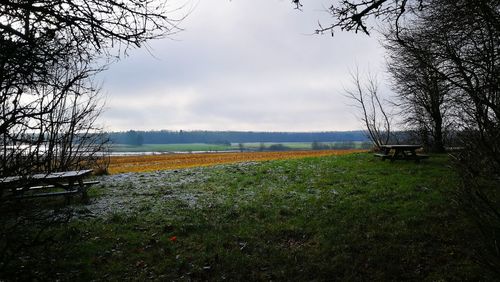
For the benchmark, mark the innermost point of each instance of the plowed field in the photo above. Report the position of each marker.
(176, 161)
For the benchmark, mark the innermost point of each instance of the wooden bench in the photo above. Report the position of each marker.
(401, 152)
(46, 185)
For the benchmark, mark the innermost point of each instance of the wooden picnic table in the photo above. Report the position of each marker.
(401, 152)
(36, 185)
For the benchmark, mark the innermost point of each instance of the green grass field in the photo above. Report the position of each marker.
(235, 146)
(350, 217)
(170, 148)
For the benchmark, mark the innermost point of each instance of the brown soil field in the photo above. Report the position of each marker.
(124, 164)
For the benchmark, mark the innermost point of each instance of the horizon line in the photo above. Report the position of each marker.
(239, 131)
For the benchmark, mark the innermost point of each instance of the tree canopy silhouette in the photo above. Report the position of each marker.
(50, 51)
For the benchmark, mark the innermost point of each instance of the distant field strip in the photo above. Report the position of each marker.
(175, 161)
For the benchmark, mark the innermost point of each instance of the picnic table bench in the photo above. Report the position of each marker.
(46, 184)
(401, 152)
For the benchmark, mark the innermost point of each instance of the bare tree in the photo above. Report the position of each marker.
(95, 24)
(49, 51)
(72, 139)
(469, 41)
(423, 94)
(373, 114)
(461, 40)
(50, 123)
(353, 15)
(37, 35)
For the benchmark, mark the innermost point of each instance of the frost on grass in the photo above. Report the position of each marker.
(128, 193)
(134, 192)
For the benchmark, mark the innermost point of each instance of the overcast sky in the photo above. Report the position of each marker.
(241, 65)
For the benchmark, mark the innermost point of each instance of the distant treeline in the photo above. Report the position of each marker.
(226, 137)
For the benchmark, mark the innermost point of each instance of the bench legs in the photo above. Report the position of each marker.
(77, 186)
(83, 190)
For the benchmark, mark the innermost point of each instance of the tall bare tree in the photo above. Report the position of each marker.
(468, 40)
(50, 49)
(463, 39)
(423, 95)
(373, 112)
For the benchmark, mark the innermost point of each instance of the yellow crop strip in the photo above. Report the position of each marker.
(177, 161)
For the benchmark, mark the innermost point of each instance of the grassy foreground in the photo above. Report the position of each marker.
(348, 217)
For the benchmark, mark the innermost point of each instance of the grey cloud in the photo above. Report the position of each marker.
(239, 65)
